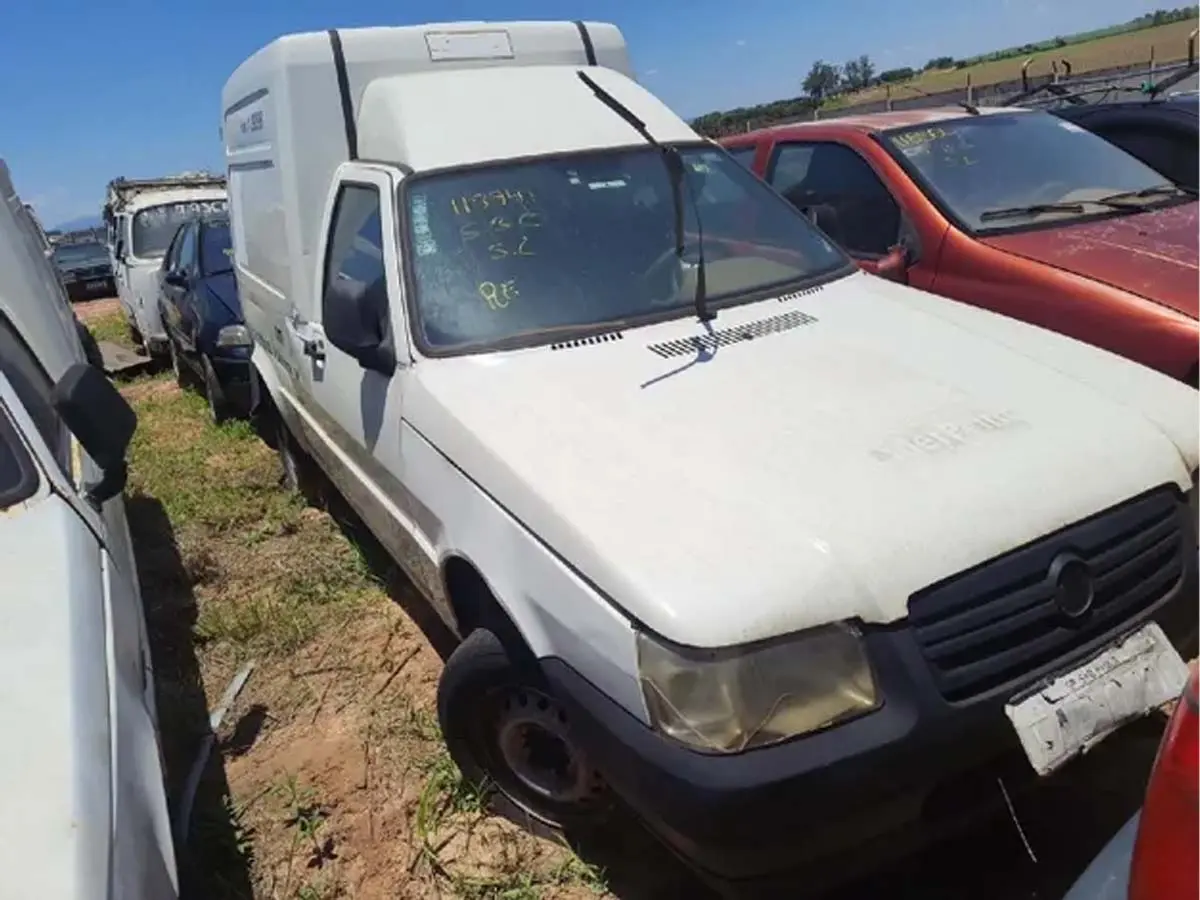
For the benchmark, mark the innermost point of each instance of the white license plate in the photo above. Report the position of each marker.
(94, 285)
(1073, 712)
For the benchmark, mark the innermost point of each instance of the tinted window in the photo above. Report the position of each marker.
(518, 250)
(987, 168)
(76, 254)
(185, 258)
(744, 155)
(34, 388)
(216, 248)
(1171, 152)
(833, 183)
(354, 260)
(153, 228)
(18, 478)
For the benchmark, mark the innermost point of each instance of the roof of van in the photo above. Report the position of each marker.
(486, 115)
(177, 195)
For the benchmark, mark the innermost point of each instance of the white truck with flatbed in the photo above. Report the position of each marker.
(773, 550)
(141, 217)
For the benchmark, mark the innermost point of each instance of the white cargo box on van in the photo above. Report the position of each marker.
(298, 108)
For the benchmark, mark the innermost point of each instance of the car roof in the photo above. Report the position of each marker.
(898, 118)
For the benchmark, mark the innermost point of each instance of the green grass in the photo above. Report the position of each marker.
(111, 328)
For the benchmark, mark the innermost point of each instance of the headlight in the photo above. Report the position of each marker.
(233, 336)
(731, 699)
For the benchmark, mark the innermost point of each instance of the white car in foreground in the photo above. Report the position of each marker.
(80, 769)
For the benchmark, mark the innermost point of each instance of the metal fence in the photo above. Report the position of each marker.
(1100, 86)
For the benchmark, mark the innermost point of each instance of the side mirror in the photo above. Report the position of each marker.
(356, 322)
(894, 266)
(175, 279)
(102, 421)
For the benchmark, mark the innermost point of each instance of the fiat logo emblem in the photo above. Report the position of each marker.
(1074, 586)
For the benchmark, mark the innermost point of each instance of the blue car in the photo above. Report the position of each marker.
(207, 338)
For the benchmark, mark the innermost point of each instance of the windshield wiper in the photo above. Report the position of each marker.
(675, 170)
(1158, 190)
(1033, 209)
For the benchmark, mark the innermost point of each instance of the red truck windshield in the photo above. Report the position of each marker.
(1016, 169)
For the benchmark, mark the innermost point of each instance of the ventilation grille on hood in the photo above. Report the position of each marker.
(721, 337)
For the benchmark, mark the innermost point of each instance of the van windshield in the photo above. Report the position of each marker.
(1019, 169)
(154, 227)
(508, 253)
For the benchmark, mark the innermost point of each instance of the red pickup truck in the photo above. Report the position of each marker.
(1016, 211)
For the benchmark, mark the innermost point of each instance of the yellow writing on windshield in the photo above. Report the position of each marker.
(916, 138)
(498, 295)
(501, 197)
(507, 234)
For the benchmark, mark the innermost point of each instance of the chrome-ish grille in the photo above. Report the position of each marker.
(1005, 619)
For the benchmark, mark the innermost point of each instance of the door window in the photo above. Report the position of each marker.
(35, 389)
(832, 183)
(744, 155)
(186, 261)
(354, 259)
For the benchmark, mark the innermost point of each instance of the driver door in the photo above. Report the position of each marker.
(351, 412)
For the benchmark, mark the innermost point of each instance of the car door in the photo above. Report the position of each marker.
(188, 266)
(841, 191)
(166, 298)
(355, 409)
(140, 800)
(178, 317)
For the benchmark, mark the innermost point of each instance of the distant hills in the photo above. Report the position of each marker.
(78, 224)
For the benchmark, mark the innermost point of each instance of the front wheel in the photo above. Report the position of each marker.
(219, 408)
(509, 736)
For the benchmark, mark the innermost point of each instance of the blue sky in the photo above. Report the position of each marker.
(93, 90)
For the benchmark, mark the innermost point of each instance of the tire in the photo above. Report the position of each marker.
(91, 350)
(512, 740)
(134, 334)
(220, 410)
(183, 377)
(299, 472)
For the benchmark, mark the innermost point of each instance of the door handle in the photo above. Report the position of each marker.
(314, 348)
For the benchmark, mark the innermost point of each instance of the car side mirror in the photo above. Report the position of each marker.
(175, 279)
(894, 265)
(102, 421)
(356, 322)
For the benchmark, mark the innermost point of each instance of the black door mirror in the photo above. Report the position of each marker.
(175, 279)
(356, 322)
(102, 421)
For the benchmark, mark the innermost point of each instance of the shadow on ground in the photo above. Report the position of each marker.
(217, 869)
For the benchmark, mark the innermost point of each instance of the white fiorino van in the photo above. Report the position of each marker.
(80, 766)
(773, 550)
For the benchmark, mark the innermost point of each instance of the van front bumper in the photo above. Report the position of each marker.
(852, 797)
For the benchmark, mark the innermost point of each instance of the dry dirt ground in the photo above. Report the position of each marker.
(330, 779)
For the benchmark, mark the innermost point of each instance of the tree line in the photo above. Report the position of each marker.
(826, 81)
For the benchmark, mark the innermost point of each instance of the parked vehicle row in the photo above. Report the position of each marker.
(142, 217)
(779, 554)
(85, 771)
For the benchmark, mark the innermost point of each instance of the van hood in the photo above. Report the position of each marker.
(839, 450)
(1151, 254)
(54, 767)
